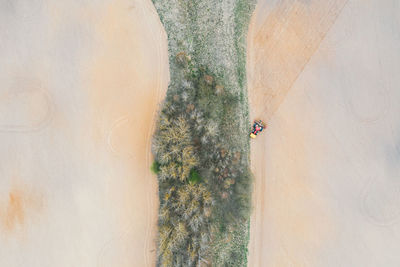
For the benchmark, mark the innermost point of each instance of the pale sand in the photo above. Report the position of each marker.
(80, 85)
(77, 83)
(326, 170)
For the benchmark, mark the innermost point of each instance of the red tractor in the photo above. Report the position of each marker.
(258, 126)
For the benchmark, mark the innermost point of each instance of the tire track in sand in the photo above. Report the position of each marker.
(123, 241)
(150, 177)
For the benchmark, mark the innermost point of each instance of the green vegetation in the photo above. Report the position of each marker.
(194, 177)
(155, 167)
(201, 141)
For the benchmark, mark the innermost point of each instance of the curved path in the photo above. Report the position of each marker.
(140, 151)
(160, 39)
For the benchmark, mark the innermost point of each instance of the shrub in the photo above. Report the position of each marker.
(194, 177)
(155, 167)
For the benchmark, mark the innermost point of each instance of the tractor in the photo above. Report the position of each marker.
(258, 126)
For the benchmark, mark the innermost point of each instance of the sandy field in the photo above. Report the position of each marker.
(80, 85)
(79, 88)
(324, 74)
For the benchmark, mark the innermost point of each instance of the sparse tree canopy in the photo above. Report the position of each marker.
(201, 145)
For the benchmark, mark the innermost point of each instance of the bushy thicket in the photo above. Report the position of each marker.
(201, 143)
(204, 181)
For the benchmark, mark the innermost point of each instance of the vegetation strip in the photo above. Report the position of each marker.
(201, 143)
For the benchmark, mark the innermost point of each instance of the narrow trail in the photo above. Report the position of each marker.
(280, 45)
(127, 240)
(151, 228)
